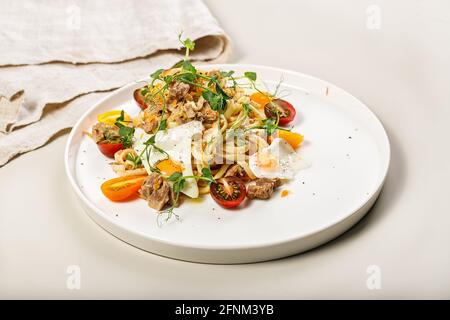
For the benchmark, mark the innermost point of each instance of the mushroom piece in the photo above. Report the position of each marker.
(102, 132)
(262, 188)
(156, 190)
(178, 90)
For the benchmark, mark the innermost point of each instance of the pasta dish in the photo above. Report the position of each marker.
(198, 133)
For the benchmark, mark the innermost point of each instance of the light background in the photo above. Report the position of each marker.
(400, 70)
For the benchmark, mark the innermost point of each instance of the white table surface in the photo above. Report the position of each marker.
(400, 70)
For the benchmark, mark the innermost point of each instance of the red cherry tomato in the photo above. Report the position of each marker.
(228, 192)
(109, 149)
(139, 98)
(284, 109)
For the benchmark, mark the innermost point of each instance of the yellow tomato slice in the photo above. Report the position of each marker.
(294, 139)
(261, 98)
(110, 117)
(122, 188)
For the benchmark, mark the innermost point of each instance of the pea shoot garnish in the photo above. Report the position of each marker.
(178, 184)
(126, 133)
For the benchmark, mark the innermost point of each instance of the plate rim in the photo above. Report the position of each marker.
(373, 193)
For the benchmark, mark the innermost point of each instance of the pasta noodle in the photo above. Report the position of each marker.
(225, 141)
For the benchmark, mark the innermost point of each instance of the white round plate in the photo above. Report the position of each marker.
(344, 141)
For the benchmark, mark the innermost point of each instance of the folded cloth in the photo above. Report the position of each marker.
(34, 135)
(84, 31)
(54, 56)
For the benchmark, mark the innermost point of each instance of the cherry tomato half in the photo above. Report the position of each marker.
(228, 192)
(139, 98)
(284, 109)
(122, 188)
(109, 149)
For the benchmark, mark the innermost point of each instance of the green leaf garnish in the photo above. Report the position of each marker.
(121, 118)
(206, 173)
(178, 185)
(220, 91)
(187, 43)
(187, 77)
(208, 95)
(250, 75)
(269, 125)
(150, 140)
(135, 159)
(126, 133)
(212, 81)
(156, 74)
(162, 124)
(151, 143)
(175, 176)
(187, 66)
(168, 79)
(247, 108)
(154, 169)
(179, 64)
(226, 74)
(216, 101)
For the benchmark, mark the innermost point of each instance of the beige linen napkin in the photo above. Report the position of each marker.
(57, 59)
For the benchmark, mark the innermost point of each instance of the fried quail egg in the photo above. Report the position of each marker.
(278, 160)
(176, 143)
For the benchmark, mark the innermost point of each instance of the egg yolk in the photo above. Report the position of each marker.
(267, 161)
(169, 167)
(261, 98)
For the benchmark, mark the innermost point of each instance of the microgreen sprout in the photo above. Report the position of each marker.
(188, 44)
(126, 133)
(134, 159)
(178, 184)
(269, 125)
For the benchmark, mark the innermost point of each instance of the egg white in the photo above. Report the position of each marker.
(177, 143)
(287, 161)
